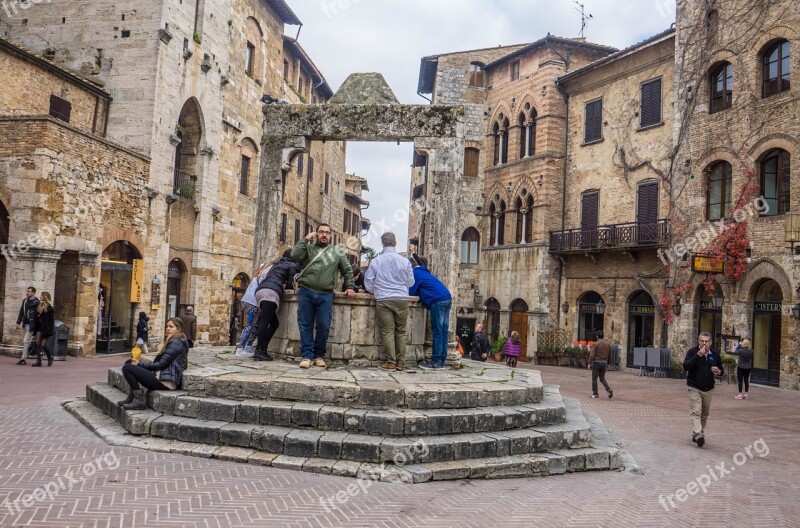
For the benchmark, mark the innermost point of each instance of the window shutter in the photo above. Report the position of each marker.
(60, 108)
(310, 168)
(300, 164)
(593, 128)
(283, 227)
(471, 161)
(651, 103)
(647, 207)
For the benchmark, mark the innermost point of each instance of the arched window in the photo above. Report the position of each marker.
(524, 205)
(501, 223)
(721, 79)
(523, 135)
(500, 132)
(492, 224)
(470, 245)
(252, 52)
(497, 143)
(492, 321)
(477, 78)
(776, 68)
(504, 150)
(774, 169)
(249, 158)
(718, 201)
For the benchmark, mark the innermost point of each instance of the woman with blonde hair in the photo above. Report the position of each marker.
(44, 326)
(744, 368)
(512, 349)
(169, 364)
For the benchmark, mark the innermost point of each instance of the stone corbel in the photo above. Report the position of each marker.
(631, 255)
(592, 256)
(165, 35)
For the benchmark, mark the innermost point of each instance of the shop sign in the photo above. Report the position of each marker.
(705, 264)
(137, 276)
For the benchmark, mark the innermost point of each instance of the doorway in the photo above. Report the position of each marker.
(115, 320)
(519, 322)
(710, 318)
(641, 323)
(767, 334)
(589, 321)
(238, 318)
(491, 320)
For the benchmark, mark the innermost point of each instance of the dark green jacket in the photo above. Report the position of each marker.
(321, 276)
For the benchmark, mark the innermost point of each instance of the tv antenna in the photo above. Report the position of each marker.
(585, 17)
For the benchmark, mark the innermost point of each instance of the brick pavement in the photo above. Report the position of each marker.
(39, 441)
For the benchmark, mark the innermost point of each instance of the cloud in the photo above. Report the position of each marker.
(390, 37)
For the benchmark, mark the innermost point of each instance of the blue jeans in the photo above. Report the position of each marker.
(314, 313)
(440, 327)
(249, 330)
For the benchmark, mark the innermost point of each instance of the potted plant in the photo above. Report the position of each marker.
(729, 366)
(676, 370)
(497, 348)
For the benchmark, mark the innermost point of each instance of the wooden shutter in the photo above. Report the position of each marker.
(296, 231)
(647, 212)
(651, 103)
(244, 176)
(283, 227)
(310, 168)
(300, 164)
(471, 156)
(590, 202)
(593, 127)
(60, 108)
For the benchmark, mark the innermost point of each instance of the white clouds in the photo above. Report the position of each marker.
(390, 37)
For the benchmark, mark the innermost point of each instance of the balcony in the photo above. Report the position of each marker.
(184, 185)
(630, 236)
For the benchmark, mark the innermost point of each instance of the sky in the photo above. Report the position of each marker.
(391, 36)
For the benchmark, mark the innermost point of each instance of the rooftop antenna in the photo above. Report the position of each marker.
(585, 17)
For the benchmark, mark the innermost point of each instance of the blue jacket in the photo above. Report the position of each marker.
(171, 362)
(429, 289)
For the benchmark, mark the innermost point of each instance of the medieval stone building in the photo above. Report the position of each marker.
(595, 170)
(180, 85)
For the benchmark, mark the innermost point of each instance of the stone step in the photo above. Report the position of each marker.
(574, 432)
(396, 422)
(475, 385)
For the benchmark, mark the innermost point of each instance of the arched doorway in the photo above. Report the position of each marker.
(589, 321)
(641, 323)
(710, 318)
(188, 164)
(175, 272)
(491, 319)
(238, 317)
(519, 322)
(115, 321)
(767, 333)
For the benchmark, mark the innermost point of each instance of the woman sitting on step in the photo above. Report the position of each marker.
(170, 364)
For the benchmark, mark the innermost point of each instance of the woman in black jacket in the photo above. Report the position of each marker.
(170, 364)
(268, 297)
(44, 326)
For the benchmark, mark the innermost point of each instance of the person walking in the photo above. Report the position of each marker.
(316, 282)
(189, 321)
(437, 299)
(745, 365)
(512, 349)
(170, 364)
(44, 328)
(26, 321)
(480, 344)
(268, 298)
(250, 305)
(701, 364)
(142, 332)
(389, 278)
(599, 357)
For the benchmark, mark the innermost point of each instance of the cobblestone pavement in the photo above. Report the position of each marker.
(85, 482)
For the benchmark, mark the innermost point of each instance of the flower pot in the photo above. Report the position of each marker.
(498, 357)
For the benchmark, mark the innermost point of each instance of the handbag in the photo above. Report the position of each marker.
(298, 275)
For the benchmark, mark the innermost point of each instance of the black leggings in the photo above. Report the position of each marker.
(743, 375)
(511, 361)
(41, 344)
(135, 375)
(267, 324)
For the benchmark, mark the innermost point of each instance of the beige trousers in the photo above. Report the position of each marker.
(699, 407)
(392, 318)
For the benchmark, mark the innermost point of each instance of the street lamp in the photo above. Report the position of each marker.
(676, 308)
(717, 299)
(796, 311)
(478, 298)
(565, 307)
(600, 307)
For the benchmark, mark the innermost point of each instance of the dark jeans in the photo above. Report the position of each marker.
(599, 369)
(743, 375)
(440, 328)
(136, 375)
(267, 324)
(314, 314)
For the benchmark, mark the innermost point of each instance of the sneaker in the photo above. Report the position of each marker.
(739, 397)
(22, 362)
(746, 397)
(399, 368)
(610, 393)
(701, 441)
(594, 395)
(306, 363)
(431, 366)
(388, 366)
(319, 362)
(249, 350)
(262, 356)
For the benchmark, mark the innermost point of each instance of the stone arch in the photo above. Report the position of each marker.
(773, 141)
(495, 118)
(255, 44)
(717, 154)
(248, 175)
(113, 235)
(771, 35)
(496, 190)
(530, 100)
(528, 184)
(188, 162)
(765, 268)
(518, 305)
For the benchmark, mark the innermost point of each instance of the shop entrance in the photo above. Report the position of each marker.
(767, 334)
(115, 318)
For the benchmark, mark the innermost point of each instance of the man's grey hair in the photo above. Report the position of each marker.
(190, 309)
(388, 239)
(704, 334)
(478, 327)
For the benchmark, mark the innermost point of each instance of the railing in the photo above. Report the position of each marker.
(611, 236)
(184, 184)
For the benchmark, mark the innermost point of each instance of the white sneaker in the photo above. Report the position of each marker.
(249, 350)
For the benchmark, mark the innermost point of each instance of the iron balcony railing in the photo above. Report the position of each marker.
(184, 184)
(628, 235)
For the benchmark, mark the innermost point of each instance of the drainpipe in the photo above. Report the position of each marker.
(563, 91)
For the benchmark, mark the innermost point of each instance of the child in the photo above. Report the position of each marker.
(512, 349)
(142, 332)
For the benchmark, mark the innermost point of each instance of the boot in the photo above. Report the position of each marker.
(261, 355)
(38, 357)
(138, 404)
(49, 357)
(38, 363)
(126, 400)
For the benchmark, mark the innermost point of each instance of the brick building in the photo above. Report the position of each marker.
(186, 80)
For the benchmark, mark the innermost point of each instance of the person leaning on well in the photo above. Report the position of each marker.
(321, 263)
(389, 278)
(701, 364)
(169, 364)
(598, 363)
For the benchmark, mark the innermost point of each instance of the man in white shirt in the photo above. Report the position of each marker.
(388, 278)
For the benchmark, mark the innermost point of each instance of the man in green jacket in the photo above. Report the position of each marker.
(321, 264)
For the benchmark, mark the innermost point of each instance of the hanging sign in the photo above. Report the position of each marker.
(137, 276)
(705, 264)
